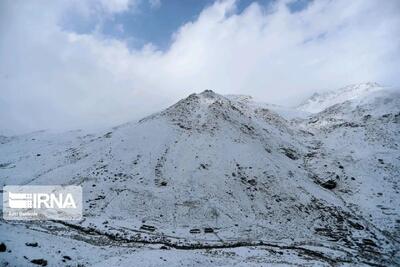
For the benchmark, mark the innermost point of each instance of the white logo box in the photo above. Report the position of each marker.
(42, 202)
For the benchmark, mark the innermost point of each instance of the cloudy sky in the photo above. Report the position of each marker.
(98, 63)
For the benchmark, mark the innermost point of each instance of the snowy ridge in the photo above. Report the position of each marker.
(318, 102)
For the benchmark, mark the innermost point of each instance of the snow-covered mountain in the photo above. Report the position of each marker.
(221, 180)
(320, 101)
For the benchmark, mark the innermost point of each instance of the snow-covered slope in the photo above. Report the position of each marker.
(320, 101)
(216, 174)
(360, 137)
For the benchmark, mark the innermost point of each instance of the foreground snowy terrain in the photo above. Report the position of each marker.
(220, 180)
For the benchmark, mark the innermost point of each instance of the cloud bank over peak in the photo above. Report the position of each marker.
(51, 77)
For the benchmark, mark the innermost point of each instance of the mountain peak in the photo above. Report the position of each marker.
(320, 101)
(208, 94)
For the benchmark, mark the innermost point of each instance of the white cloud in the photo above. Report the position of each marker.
(106, 7)
(115, 6)
(51, 78)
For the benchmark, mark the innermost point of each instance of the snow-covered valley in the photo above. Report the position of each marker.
(220, 180)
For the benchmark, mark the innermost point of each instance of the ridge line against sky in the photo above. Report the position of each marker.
(83, 64)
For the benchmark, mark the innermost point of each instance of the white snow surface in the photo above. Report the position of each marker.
(320, 101)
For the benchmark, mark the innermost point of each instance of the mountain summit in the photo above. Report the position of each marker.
(320, 101)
